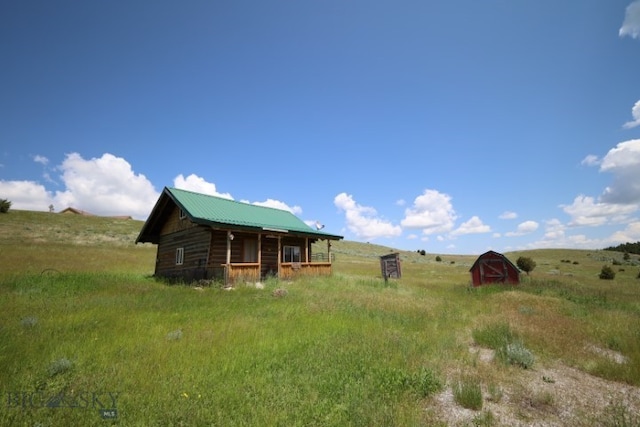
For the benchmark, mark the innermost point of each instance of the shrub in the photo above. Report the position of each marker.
(438, 258)
(4, 205)
(607, 273)
(59, 366)
(29, 321)
(279, 293)
(174, 335)
(526, 264)
(509, 348)
(516, 354)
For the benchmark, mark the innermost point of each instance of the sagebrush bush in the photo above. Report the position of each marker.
(59, 366)
(29, 321)
(509, 348)
(174, 335)
(516, 354)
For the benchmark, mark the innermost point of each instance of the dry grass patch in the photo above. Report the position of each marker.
(543, 323)
(554, 395)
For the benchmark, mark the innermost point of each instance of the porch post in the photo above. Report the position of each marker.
(259, 255)
(279, 254)
(329, 249)
(228, 266)
(306, 250)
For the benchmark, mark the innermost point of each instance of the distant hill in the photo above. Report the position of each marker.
(632, 248)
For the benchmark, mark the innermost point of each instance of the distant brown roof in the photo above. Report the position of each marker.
(75, 211)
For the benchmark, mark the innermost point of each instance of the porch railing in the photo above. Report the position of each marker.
(250, 271)
(242, 272)
(290, 270)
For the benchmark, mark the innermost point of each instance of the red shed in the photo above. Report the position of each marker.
(492, 267)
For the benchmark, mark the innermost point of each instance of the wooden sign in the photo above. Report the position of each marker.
(390, 266)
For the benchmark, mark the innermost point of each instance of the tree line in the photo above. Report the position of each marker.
(632, 248)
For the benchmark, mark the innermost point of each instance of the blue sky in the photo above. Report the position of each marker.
(453, 127)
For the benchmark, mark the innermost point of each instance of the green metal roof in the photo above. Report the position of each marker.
(217, 211)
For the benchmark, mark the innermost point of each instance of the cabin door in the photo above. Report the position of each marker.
(493, 270)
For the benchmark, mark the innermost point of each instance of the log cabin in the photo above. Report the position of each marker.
(212, 238)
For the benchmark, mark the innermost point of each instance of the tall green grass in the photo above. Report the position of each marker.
(241, 357)
(81, 317)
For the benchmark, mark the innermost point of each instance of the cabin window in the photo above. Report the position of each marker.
(179, 256)
(291, 254)
(250, 250)
(183, 214)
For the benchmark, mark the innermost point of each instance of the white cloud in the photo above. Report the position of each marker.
(270, 203)
(432, 212)
(585, 211)
(102, 186)
(523, 228)
(631, 24)
(624, 155)
(473, 226)
(623, 162)
(630, 234)
(635, 113)
(198, 185)
(26, 195)
(577, 241)
(508, 215)
(590, 160)
(619, 200)
(105, 186)
(40, 159)
(554, 230)
(401, 202)
(363, 221)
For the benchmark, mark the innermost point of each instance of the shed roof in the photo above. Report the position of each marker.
(224, 213)
(494, 255)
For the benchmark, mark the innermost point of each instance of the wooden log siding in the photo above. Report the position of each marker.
(195, 243)
(206, 250)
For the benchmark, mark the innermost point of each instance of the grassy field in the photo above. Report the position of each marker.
(88, 337)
